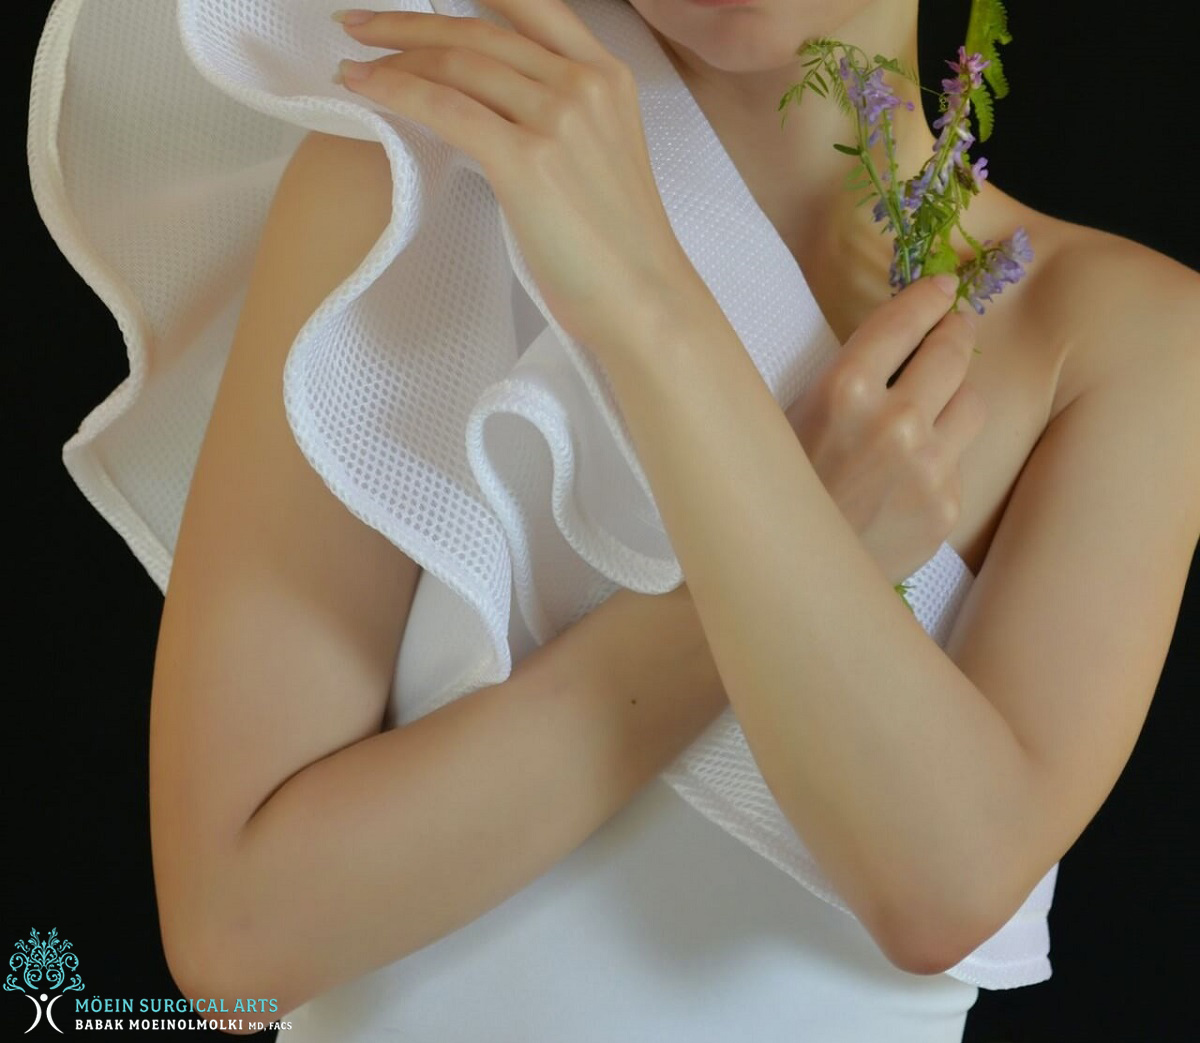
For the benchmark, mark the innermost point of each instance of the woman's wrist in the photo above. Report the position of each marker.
(661, 322)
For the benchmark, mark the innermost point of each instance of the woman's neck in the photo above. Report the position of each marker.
(794, 171)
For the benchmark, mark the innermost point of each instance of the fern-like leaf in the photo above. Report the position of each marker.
(985, 112)
(988, 29)
(988, 25)
(994, 75)
(838, 89)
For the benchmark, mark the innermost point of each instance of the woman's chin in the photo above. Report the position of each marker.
(745, 52)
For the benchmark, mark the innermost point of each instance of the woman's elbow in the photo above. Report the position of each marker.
(924, 942)
(228, 981)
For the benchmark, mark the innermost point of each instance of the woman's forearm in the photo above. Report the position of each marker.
(895, 770)
(395, 841)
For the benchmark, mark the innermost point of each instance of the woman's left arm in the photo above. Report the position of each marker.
(935, 788)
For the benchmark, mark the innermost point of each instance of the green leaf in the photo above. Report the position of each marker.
(841, 97)
(847, 150)
(985, 114)
(857, 179)
(943, 259)
(987, 29)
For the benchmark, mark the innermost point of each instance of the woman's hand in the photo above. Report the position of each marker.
(888, 456)
(552, 118)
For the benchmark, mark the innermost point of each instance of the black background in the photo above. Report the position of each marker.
(1098, 130)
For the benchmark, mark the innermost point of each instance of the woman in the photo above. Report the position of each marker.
(1056, 384)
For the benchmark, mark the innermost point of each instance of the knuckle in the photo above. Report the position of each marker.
(540, 155)
(619, 75)
(589, 83)
(849, 389)
(903, 430)
(453, 60)
(558, 115)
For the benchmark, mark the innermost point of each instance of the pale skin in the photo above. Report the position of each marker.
(934, 796)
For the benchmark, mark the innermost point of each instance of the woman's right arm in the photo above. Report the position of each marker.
(295, 845)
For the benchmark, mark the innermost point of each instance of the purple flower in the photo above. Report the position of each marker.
(963, 140)
(1019, 247)
(943, 119)
(871, 97)
(917, 188)
(1002, 265)
(968, 73)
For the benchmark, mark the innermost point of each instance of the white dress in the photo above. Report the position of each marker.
(660, 928)
(439, 400)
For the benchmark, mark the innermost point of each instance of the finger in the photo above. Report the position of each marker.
(892, 332)
(961, 421)
(458, 119)
(939, 366)
(408, 30)
(492, 83)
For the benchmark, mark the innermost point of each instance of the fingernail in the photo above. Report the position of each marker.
(947, 283)
(352, 16)
(354, 72)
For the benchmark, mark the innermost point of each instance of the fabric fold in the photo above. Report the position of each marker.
(433, 391)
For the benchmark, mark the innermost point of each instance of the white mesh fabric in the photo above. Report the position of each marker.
(436, 396)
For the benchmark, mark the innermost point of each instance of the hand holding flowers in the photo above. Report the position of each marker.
(922, 213)
(888, 454)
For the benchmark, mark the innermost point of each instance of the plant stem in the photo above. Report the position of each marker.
(893, 207)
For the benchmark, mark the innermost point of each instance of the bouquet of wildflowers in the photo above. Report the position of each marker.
(925, 210)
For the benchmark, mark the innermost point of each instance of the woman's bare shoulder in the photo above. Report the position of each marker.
(1110, 301)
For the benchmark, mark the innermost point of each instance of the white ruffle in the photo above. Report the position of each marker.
(435, 394)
